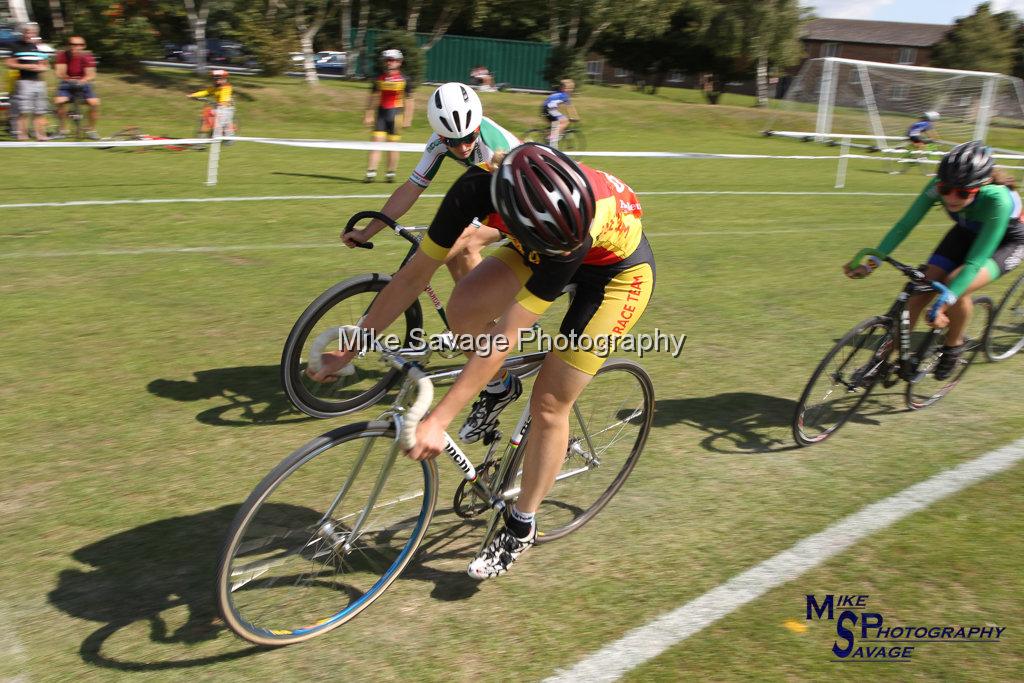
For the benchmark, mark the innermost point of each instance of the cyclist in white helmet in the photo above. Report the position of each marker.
(461, 133)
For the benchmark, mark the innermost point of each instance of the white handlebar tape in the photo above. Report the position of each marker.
(419, 408)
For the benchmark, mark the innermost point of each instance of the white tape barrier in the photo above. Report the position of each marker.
(358, 145)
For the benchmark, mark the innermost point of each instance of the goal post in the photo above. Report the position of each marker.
(839, 96)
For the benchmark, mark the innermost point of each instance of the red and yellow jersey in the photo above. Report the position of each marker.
(221, 94)
(616, 228)
(392, 87)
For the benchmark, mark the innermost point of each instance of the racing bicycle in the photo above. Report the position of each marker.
(362, 382)
(572, 139)
(329, 529)
(1005, 336)
(860, 360)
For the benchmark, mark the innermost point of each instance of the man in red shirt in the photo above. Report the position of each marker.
(388, 110)
(76, 69)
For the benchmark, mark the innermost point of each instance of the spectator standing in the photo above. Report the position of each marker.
(30, 93)
(388, 109)
(76, 70)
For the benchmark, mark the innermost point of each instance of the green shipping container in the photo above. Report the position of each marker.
(518, 63)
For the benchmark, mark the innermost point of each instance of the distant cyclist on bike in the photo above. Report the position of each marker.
(921, 132)
(985, 242)
(223, 96)
(76, 70)
(461, 133)
(562, 96)
(568, 224)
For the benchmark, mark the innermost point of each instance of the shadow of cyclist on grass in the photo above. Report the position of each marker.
(160, 576)
(252, 396)
(750, 423)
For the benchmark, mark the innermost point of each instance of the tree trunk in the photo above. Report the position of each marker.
(762, 80)
(574, 29)
(415, 7)
(444, 21)
(57, 16)
(307, 32)
(358, 48)
(197, 22)
(554, 27)
(592, 38)
(345, 8)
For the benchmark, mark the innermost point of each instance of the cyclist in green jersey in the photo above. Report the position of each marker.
(985, 242)
(461, 133)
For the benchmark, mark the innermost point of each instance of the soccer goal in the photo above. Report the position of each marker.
(873, 104)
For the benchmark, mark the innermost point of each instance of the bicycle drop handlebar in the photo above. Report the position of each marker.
(945, 294)
(363, 215)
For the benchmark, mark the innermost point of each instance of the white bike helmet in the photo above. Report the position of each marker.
(931, 116)
(392, 54)
(454, 111)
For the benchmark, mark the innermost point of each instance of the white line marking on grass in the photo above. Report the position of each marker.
(285, 198)
(647, 642)
(143, 251)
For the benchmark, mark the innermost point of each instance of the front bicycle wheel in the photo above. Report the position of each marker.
(323, 535)
(535, 135)
(365, 380)
(573, 141)
(924, 389)
(1006, 331)
(608, 428)
(842, 381)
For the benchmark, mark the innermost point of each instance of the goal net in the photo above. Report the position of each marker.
(876, 103)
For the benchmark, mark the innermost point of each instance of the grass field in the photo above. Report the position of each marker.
(138, 371)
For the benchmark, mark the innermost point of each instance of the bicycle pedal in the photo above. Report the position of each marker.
(491, 436)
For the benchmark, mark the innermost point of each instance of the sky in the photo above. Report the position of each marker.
(919, 11)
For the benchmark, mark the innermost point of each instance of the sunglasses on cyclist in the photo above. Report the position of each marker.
(77, 44)
(455, 142)
(961, 192)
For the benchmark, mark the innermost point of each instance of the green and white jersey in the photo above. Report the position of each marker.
(493, 138)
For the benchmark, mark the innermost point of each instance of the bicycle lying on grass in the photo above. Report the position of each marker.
(1005, 336)
(860, 361)
(363, 382)
(328, 530)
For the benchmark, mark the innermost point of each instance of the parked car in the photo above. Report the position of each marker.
(335, 63)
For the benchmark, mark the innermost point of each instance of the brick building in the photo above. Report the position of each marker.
(874, 41)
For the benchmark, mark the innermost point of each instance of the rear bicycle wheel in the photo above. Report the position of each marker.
(365, 380)
(323, 535)
(842, 381)
(608, 428)
(924, 389)
(1005, 336)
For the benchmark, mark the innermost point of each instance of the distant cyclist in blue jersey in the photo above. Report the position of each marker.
(549, 110)
(918, 132)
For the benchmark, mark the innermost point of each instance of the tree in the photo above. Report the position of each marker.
(309, 25)
(981, 42)
(197, 16)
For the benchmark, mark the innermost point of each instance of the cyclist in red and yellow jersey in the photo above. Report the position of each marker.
(567, 224)
(223, 110)
(388, 109)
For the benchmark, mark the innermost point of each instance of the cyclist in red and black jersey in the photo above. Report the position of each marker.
(388, 109)
(568, 224)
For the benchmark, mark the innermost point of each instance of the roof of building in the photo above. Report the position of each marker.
(874, 32)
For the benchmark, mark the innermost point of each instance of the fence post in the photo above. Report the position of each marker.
(213, 162)
(844, 151)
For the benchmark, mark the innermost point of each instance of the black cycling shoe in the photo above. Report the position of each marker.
(948, 361)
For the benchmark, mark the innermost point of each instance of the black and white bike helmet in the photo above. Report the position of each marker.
(454, 111)
(968, 164)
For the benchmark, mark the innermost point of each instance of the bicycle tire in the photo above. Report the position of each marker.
(573, 141)
(535, 135)
(265, 537)
(800, 424)
(918, 394)
(1000, 347)
(293, 368)
(555, 502)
